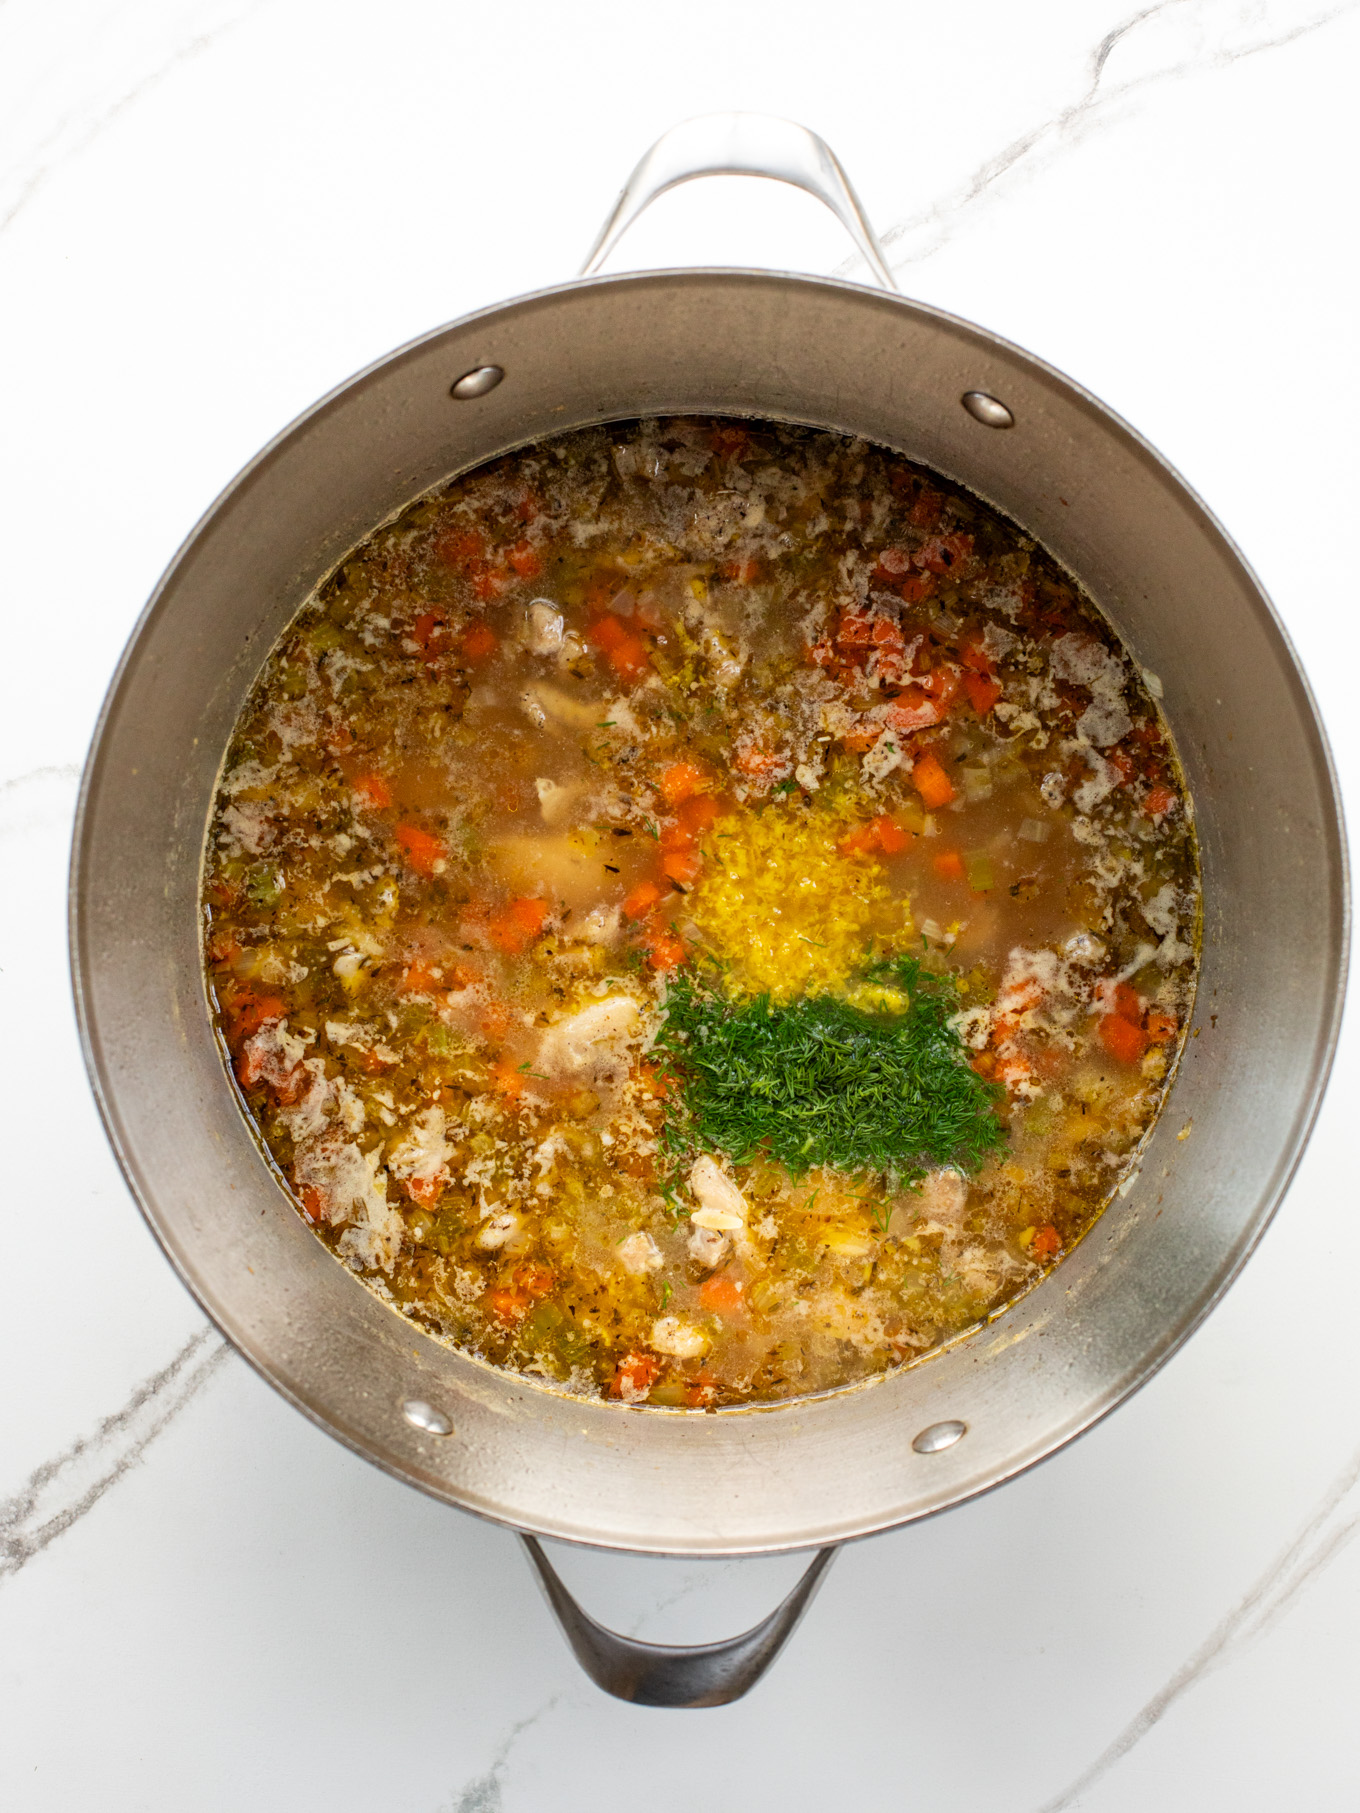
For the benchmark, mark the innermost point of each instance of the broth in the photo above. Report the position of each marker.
(701, 912)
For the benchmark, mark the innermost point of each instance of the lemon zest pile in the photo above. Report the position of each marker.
(784, 912)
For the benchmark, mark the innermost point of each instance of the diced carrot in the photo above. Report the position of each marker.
(249, 1011)
(912, 710)
(606, 633)
(1014, 1070)
(626, 653)
(1124, 1041)
(1128, 1003)
(931, 781)
(1123, 764)
(917, 587)
(903, 482)
(866, 735)
(982, 692)
(881, 833)
(703, 1390)
(666, 951)
(495, 1020)
(681, 780)
(534, 1280)
(656, 1082)
(948, 865)
(1159, 800)
(431, 632)
(478, 643)
(634, 1377)
(1161, 1026)
(942, 553)
(889, 835)
(1046, 1242)
(373, 790)
(740, 572)
(254, 1067)
(630, 659)
(684, 866)
(1014, 1004)
(698, 814)
(489, 583)
(424, 851)
(942, 683)
(507, 1079)
(927, 508)
(506, 1305)
(419, 977)
(729, 438)
(973, 653)
(425, 1190)
(459, 544)
(756, 761)
(859, 841)
(516, 926)
(530, 914)
(640, 901)
(893, 563)
(525, 558)
(721, 1295)
(223, 946)
(855, 630)
(313, 1203)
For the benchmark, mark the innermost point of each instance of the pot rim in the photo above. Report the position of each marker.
(1322, 1051)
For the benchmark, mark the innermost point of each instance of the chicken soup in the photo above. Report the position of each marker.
(701, 912)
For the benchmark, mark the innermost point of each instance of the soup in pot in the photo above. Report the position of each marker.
(701, 912)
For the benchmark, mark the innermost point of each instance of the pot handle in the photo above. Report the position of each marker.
(743, 144)
(669, 1674)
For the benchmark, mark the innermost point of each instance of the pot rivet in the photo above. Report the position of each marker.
(990, 411)
(476, 383)
(421, 1415)
(939, 1436)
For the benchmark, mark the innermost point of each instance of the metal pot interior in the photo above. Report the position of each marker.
(832, 356)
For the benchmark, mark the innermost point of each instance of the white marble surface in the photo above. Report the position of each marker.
(211, 211)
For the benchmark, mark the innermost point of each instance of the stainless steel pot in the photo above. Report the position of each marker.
(833, 355)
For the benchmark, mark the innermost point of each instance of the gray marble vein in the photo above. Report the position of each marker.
(1205, 35)
(484, 1794)
(63, 771)
(70, 136)
(1327, 1532)
(27, 802)
(689, 1584)
(59, 1492)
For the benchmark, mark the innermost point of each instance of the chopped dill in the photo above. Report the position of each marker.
(816, 1081)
